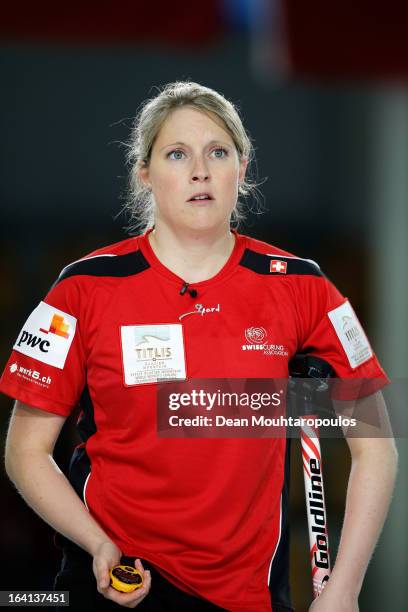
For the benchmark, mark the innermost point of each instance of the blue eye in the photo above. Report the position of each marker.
(220, 150)
(177, 154)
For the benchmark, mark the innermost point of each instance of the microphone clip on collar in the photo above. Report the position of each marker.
(185, 288)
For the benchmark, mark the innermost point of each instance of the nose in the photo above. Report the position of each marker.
(200, 171)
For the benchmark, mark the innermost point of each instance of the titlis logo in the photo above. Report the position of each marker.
(351, 330)
(153, 353)
(34, 341)
(316, 508)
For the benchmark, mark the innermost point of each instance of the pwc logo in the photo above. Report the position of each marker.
(30, 340)
(58, 326)
(47, 335)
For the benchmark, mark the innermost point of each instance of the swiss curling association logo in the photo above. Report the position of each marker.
(255, 335)
(257, 339)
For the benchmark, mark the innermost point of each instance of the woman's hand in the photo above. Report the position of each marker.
(107, 556)
(331, 601)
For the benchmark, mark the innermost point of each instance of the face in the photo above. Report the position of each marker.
(193, 154)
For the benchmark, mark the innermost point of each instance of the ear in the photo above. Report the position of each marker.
(242, 169)
(142, 170)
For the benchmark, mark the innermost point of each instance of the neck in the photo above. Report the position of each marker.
(194, 257)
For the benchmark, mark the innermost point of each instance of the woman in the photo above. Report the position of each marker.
(204, 519)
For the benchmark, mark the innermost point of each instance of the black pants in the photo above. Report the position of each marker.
(77, 577)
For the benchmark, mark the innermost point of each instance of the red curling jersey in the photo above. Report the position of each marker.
(209, 514)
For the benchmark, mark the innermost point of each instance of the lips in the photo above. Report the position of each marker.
(200, 197)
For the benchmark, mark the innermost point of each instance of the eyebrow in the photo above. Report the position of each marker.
(173, 144)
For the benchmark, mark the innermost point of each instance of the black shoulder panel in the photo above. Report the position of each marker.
(269, 264)
(107, 265)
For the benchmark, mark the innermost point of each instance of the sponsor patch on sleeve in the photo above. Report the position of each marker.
(47, 335)
(351, 334)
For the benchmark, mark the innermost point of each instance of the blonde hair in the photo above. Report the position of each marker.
(147, 123)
